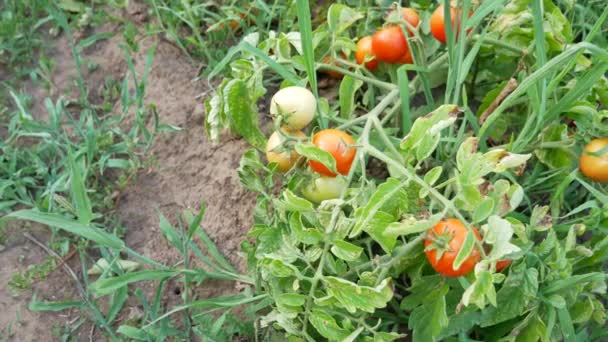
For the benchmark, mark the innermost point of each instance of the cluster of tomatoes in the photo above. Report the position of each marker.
(390, 44)
(294, 108)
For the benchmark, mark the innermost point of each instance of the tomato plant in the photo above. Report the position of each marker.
(444, 243)
(595, 166)
(462, 213)
(324, 188)
(341, 147)
(295, 105)
(277, 152)
(438, 23)
(389, 44)
(364, 53)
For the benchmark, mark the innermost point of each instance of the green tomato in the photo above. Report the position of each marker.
(324, 188)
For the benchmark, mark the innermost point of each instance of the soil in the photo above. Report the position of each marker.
(186, 170)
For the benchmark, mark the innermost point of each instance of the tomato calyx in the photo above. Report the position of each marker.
(440, 242)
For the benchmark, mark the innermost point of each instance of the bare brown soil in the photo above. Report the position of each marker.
(185, 170)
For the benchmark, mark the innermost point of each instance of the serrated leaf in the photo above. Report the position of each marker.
(278, 267)
(241, 112)
(326, 326)
(292, 202)
(424, 135)
(346, 250)
(312, 152)
(428, 319)
(465, 250)
(480, 290)
(214, 108)
(412, 225)
(389, 197)
(308, 236)
(348, 89)
(518, 290)
(376, 228)
(354, 297)
(340, 17)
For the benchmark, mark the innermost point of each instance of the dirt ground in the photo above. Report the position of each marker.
(187, 169)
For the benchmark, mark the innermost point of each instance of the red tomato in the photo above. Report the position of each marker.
(595, 168)
(502, 264)
(449, 235)
(438, 23)
(389, 44)
(364, 50)
(406, 59)
(411, 16)
(340, 145)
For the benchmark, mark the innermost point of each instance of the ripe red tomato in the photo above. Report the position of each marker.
(411, 16)
(595, 168)
(389, 44)
(438, 23)
(364, 50)
(406, 59)
(449, 235)
(340, 145)
(502, 264)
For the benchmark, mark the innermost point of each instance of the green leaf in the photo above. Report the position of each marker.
(132, 332)
(340, 17)
(433, 175)
(345, 250)
(428, 319)
(426, 131)
(465, 250)
(485, 209)
(309, 236)
(557, 157)
(292, 299)
(86, 231)
(480, 290)
(241, 112)
(411, 225)
(109, 285)
(170, 234)
(116, 303)
(312, 152)
(354, 297)
(249, 167)
(36, 305)
(326, 326)
(79, 196)
(292, 202)
(519, 289)
(348, 89)
(376, 228)
(390, 197)
(534, 331)
(278, 267)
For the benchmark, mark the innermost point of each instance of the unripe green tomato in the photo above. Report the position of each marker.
(324, 188)
(297, 105)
